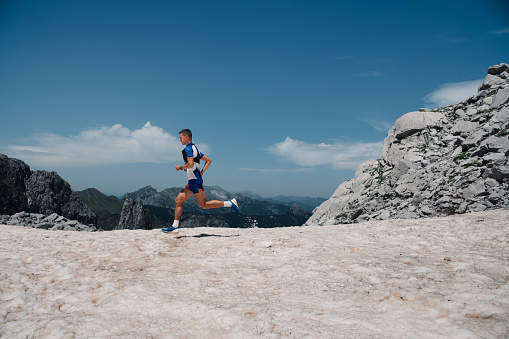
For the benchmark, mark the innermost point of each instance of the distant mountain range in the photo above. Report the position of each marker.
(256, 211)
(306, 203)
(42, 192)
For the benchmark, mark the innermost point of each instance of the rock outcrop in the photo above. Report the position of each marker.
(13, 177)
(39, 192)
(450, 160)
(133, 216)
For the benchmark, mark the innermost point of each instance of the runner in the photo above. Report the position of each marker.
(194, 186)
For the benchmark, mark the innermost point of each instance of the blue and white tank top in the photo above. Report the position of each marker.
(194, 172)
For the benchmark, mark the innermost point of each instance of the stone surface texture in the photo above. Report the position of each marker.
(451, 160)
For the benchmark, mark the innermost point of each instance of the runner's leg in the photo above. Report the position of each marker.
(202, 200)
(179, 202)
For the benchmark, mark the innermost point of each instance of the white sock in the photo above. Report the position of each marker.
(176, 223)
(227, 204)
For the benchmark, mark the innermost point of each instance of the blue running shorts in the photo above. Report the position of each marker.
(194, 186)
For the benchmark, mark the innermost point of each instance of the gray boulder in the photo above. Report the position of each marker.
(501, 98)
(496, 144)
(409, 127)
(463, 127)
(500, 173)
(498, 69)
(414, 122)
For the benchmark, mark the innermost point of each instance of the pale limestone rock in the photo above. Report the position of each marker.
(446, 161)
(501, 98)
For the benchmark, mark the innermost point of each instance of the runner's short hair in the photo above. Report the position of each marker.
(187, 132)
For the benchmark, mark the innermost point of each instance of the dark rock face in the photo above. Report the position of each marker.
(498, 69)
(13, 177)
(133, 216)
(45, 190)
(38, 192)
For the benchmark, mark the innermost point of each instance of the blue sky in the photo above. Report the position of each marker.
(286, 97)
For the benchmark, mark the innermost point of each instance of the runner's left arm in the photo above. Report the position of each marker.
(208, 161)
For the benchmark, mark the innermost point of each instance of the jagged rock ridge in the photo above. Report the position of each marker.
(38, 192)
(434, 163)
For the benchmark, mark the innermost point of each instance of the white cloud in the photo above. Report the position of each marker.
(451, 93)
(338, 155)
(102, 146)
(380, 126)
(499, 32)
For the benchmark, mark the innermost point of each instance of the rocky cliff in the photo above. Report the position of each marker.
(450, 160)
(13, 177)
(133, 216)
(38, 192)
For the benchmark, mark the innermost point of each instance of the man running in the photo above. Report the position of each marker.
(194, 186)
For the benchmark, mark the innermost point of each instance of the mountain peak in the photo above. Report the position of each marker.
(450, 160)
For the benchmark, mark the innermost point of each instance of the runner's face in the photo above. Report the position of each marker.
(184, 139)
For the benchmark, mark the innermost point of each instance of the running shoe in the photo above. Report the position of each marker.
(170, 229)
(235, 205)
